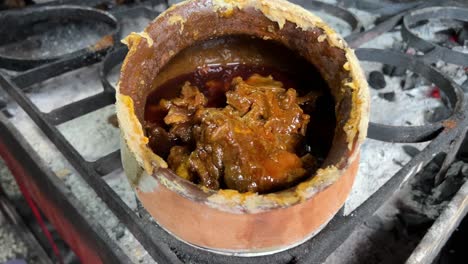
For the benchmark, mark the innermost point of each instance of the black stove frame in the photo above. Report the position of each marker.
(446, 136)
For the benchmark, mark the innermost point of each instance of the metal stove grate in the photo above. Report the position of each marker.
(446, 136)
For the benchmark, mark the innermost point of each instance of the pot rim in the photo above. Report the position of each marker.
(279, 12)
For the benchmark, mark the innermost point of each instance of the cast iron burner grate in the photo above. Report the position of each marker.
(445, 137)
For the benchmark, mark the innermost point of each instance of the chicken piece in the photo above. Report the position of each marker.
(183, 108)
(159, 137)
(178, 161)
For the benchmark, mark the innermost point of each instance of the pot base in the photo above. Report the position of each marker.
(252, 253)
(245, 234)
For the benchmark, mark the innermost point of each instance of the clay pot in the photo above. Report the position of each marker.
(227, 221)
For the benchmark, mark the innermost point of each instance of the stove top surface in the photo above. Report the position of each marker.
(50, 100)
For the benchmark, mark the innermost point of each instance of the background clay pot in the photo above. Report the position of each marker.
(227, 221)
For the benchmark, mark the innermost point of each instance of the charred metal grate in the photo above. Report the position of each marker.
(445, 136)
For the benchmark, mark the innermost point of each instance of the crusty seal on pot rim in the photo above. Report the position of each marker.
(225, 220)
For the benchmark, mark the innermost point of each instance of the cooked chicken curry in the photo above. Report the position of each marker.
(249, 144)
(244, 127)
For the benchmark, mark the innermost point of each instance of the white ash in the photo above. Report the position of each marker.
(119, 183)
(111, 224)
(331, 2)
(114, 75)
(173, 2)
(67, 88)
(11, 246)
(59, 39)
(96, 128)
(385, 41)
(455, 72)
(7, 182)
(133, 24)
(409, 107)
(461, 49)
(379, 162)
(430, 31)
(340, 26)
(367, 19)
(38, 141)
(159, 7)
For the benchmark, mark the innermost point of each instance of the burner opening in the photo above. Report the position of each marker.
(38, 35)
(53, 38)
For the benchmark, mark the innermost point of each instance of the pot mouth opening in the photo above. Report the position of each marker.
(211, 66)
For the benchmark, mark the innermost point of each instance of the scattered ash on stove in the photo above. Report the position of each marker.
(137, 20)
(457, 73)
(11, 246)
(379, 162)
(65, 89)
(367, 19)
(118, 182)
(75, 87)
(399, 100)
(96, 128)
(389, 40)
(7, 182)
(130, 25)
(445, 32)
(339, 25)
(114, 75)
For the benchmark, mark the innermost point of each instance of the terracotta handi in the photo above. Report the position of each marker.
(188, 37)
